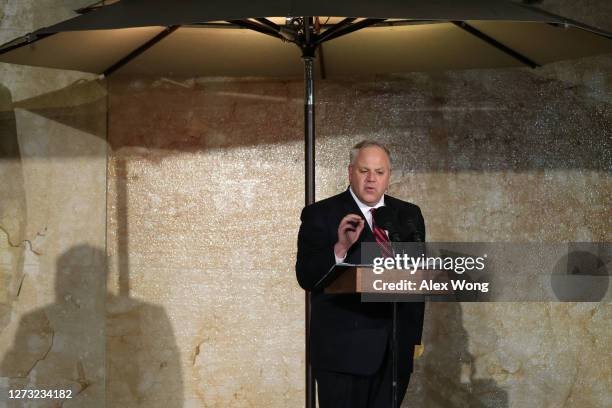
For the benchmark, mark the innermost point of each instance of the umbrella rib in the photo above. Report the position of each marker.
(92, 7)
(135, 53)
(260, 28)
(270, 24)
(346, 29)
(567, 21)
(493, 42)
(25, 40)
(338, 26)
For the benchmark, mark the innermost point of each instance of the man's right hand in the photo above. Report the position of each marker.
(348, 233)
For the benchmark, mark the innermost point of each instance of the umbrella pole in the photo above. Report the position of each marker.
(308, 56)
(309, 130)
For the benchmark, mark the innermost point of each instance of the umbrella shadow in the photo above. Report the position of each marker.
(462, 121)
(445, 375)
(78, 106)
(107, 350)
(173, 115)
(436, 121)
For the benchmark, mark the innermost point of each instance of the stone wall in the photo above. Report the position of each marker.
(134, 272)
(52, 222)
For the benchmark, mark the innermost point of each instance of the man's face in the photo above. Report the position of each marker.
(369, 174)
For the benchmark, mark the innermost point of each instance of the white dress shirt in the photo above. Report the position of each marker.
(365, 210)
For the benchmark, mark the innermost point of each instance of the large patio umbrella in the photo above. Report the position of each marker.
(270, 37)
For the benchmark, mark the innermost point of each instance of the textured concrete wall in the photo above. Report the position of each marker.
(52, 222)
(205, 187)
(198, 214)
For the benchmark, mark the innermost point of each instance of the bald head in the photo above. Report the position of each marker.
(369, 171)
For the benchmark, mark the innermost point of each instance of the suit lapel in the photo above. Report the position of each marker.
(389, 203)
(350, 206)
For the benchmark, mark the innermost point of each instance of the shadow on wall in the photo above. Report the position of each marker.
(12, 208)
(434, 121)
(77, 105)
(438, 123)
(444, 376)
(110, 351)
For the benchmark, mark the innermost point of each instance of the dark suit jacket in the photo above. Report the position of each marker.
(347, 335)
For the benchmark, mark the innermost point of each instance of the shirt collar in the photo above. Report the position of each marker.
(364, 207)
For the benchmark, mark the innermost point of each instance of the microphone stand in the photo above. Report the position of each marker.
(394, 357)
(394, 348)
(389, 223)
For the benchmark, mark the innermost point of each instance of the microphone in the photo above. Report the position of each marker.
(386, 218)
(412, 231)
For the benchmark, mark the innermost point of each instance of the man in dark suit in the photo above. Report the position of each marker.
(350, 340)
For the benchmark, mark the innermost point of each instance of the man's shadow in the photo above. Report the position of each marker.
(445, 375)
(109, 351)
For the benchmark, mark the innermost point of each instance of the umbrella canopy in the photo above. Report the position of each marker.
(244, 38)
(247, 38)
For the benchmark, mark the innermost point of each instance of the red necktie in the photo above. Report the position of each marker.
(381, 238)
